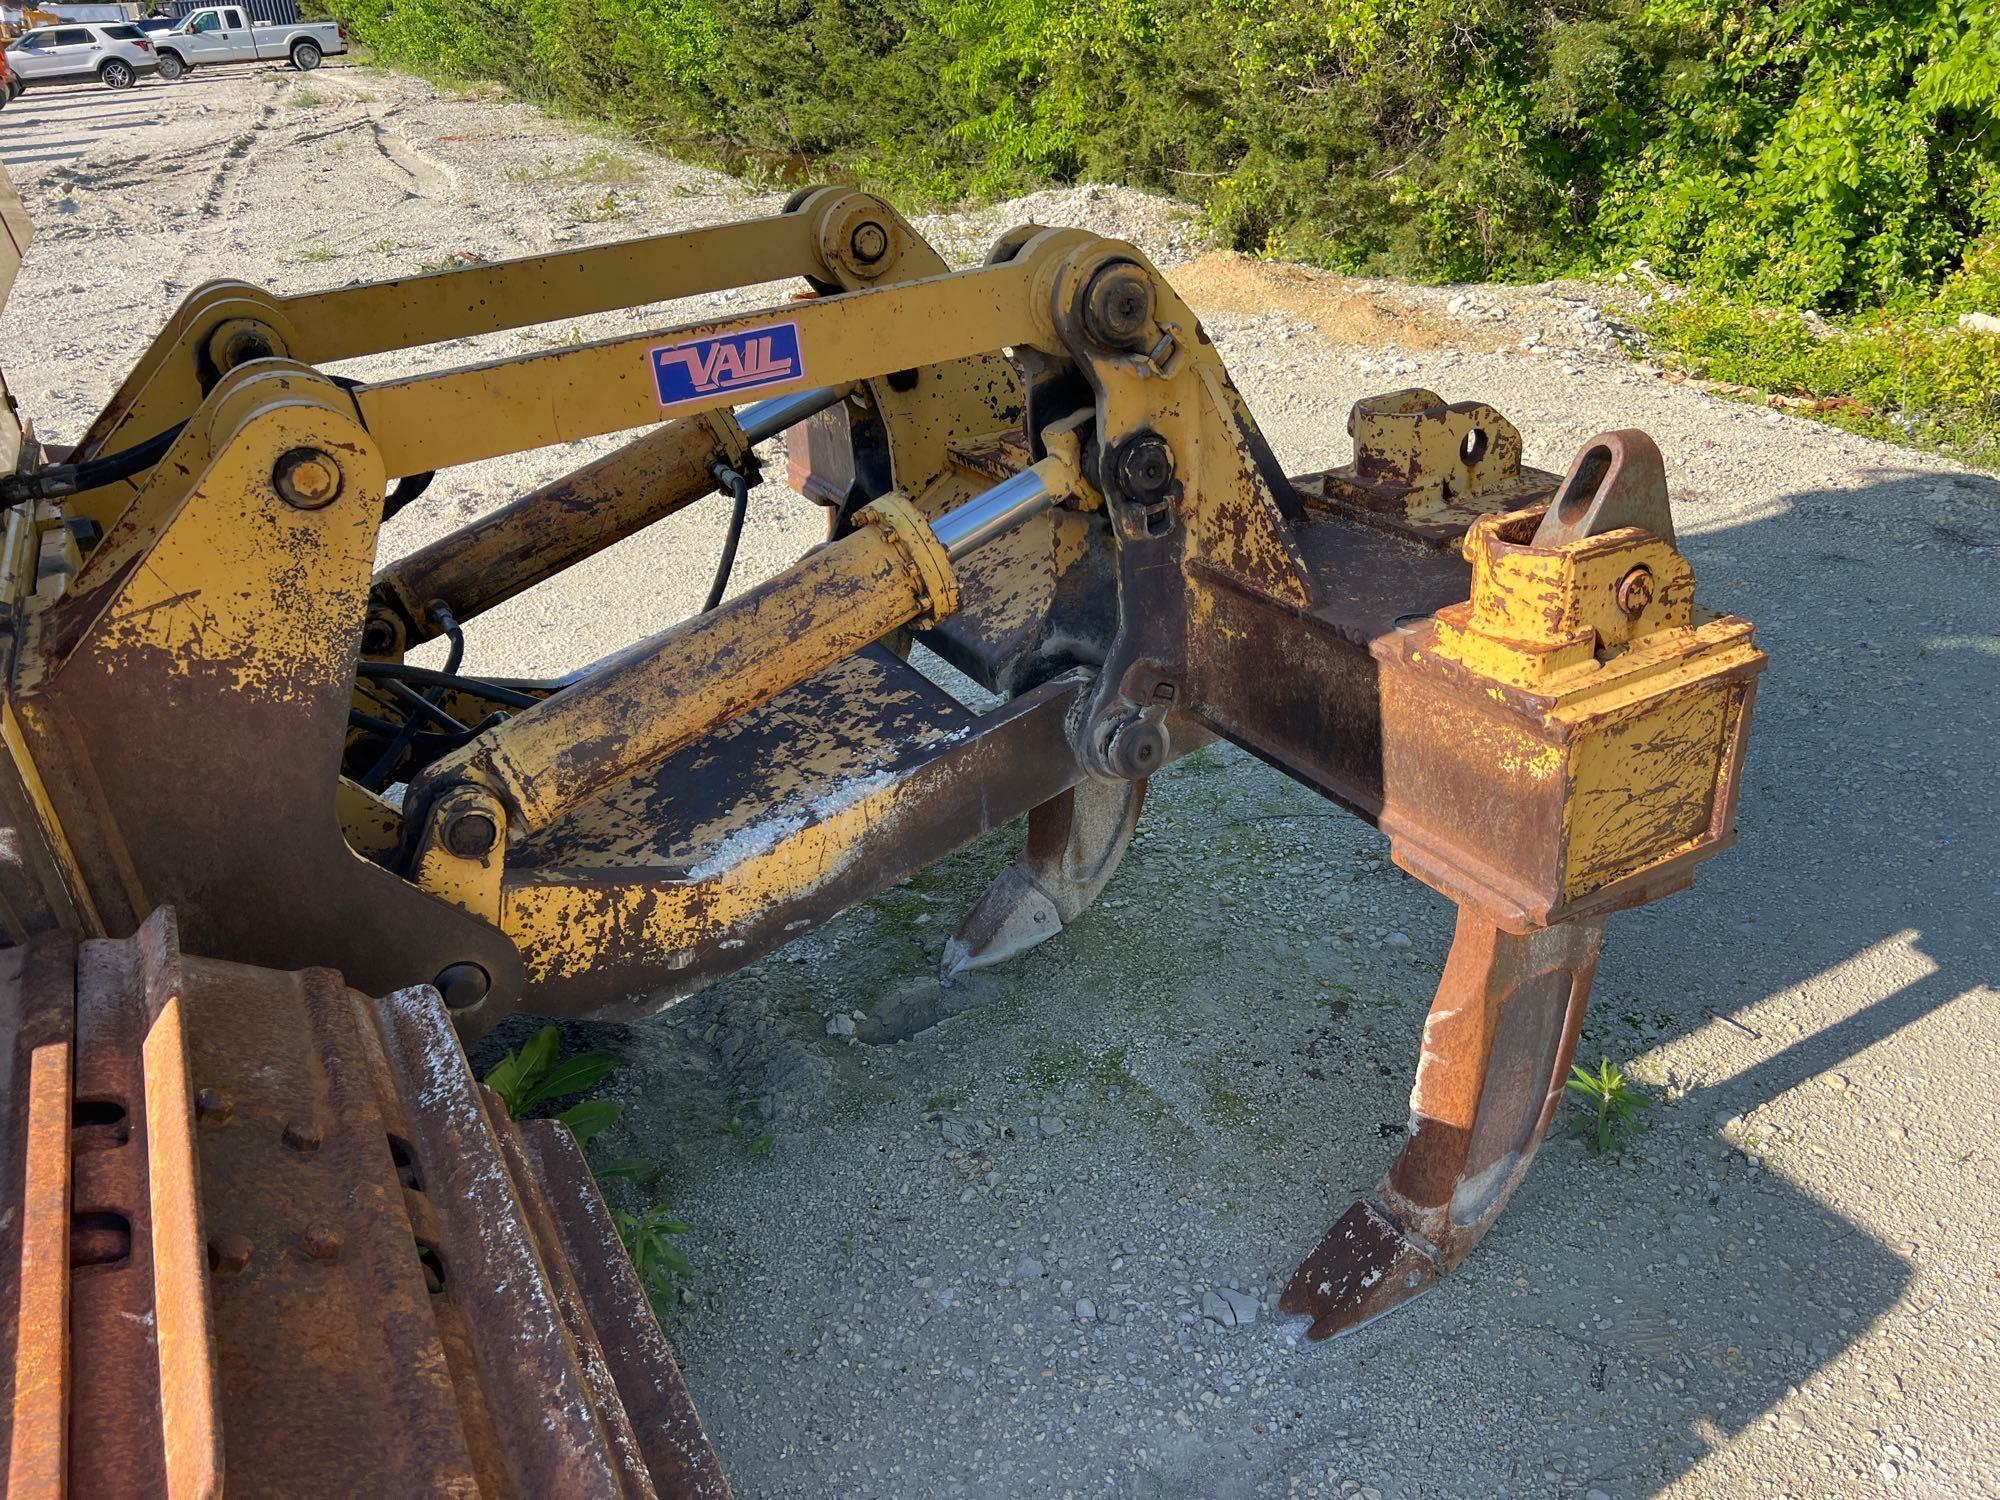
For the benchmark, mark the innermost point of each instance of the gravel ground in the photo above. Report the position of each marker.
(1033, 1250)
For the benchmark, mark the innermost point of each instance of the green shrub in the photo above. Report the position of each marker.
(1812, 153)
(1839, 155)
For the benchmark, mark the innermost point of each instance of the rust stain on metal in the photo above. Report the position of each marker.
(38, 1439)
(182, 1323)
(1497, 1047)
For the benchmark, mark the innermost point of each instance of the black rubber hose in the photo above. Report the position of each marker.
(402, 672)
(404, 490)
(58, 480)
(421, 705)
(739, 489)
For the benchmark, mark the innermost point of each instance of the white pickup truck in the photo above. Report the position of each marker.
(226, 34)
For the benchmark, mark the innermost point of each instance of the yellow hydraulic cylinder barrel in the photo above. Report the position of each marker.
(560, 524)
(664, 693)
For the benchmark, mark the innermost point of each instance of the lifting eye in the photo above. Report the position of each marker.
(1581, 490)
(1473, 448)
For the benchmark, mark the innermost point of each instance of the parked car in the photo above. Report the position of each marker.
(226, 34)
(115, 54)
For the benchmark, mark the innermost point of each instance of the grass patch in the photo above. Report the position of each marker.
(598, 210)
(1910, 371)
(315, 254)
(306, 99)
(600, 168)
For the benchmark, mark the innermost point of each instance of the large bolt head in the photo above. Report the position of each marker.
(1635, 591)
(869, 242)
(307, 478)
(243, 346)
(462, 985)
(1145, 468)
(378, 636)
(471, 835)
(1137, 749)
(1117, 305)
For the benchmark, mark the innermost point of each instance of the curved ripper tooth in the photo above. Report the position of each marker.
(1497, 1049)
(1011, 916)
(1075, 842)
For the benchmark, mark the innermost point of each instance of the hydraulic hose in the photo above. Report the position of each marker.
(57, 480)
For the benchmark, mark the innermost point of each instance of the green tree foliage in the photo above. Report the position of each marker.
(1823, 153)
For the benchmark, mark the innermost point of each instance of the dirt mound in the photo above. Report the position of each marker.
(1343, 310)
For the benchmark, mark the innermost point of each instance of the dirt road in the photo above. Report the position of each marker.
(975, 1259)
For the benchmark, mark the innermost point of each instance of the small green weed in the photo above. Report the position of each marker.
(524, 175)
(606, 167)
(759, 1144)
(306, 99)
(650, 1241)
(384, 246)
(601, 168)
(1610, 1113)
(314, 254)
(539, 1074)
(598, 210)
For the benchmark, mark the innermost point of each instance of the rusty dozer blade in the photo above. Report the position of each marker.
(1497, 1047)
(280, 1241)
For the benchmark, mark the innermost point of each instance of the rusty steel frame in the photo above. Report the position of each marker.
(308, 1253)
(1502, 670)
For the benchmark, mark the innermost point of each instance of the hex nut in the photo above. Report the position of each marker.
(319, 1243)
(302, 1135)
(869, 242)
(307, 479)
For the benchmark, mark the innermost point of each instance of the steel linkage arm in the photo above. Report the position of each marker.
(460, 416)
(836, 238)
(559, 525)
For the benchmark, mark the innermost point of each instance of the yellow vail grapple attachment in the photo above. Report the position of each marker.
(1039, 468)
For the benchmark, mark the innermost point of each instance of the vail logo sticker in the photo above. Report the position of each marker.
(728, 362)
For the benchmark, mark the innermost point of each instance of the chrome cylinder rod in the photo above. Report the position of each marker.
(766, 419)
(1007, 505)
